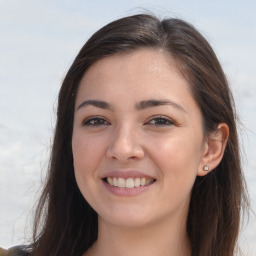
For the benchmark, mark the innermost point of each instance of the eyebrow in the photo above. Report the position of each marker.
(139, 106)
(154, 103)
(95, 103)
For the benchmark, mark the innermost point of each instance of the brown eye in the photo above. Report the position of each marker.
(95, 121)
(161, 121)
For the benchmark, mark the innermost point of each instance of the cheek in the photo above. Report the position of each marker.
(176, 149)
(177, 159)
(84, 164)
(86, 153)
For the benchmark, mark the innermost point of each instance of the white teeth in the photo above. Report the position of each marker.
(110, 181)
(129, 183)
(114, 182)
(137, 182)
(143, 182)
(148, 181)
(121, 182)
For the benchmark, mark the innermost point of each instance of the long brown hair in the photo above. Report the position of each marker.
(65, 224)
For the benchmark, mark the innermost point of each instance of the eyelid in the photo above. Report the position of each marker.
(86, 121)
(161, 117)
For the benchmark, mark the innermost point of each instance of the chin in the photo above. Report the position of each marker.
(127, 218)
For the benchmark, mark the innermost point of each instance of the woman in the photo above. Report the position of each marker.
(145, 159)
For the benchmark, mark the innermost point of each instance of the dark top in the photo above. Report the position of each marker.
(14, 251)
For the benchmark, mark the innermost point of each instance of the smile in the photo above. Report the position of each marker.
(129, 183)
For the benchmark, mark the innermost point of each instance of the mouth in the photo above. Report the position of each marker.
(129, 183)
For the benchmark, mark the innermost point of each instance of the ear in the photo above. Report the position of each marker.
(214, 147)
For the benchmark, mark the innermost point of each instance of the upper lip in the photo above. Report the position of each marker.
(126, 174)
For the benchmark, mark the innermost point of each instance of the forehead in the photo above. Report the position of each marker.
(138, 75)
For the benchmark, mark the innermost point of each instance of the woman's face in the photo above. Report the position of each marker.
(137, 139)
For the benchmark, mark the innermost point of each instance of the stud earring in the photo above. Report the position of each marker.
(206, 168)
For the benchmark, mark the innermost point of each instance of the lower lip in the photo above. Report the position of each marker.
(127, 191)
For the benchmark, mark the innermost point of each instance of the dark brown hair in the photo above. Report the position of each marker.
(65, 224)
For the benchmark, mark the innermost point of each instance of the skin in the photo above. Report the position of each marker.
(164, 142)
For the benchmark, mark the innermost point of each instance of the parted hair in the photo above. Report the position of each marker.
(65, 224)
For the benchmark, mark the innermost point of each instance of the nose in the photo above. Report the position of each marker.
(125, 145)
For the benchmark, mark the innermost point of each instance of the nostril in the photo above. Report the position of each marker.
(125, 154)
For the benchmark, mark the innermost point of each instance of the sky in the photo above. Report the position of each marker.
(39, 40)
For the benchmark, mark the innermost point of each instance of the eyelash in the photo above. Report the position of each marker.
(161, 121)
(157, 121)
(97, 121)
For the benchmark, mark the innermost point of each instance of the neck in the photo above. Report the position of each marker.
(156, 239)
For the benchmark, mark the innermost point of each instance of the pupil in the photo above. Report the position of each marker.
(161, 121)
